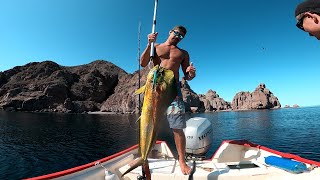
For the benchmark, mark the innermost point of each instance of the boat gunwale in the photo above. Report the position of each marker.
(88, 165)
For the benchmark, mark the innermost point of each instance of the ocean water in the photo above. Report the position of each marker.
(33, 144)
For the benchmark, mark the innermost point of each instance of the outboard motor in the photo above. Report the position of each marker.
(199, 136)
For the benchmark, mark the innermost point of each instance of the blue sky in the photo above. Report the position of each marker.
(235, 45)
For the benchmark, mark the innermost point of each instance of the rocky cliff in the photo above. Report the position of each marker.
(260, 98)
(212, 102)
(49, 87)
(103, 86)
(123, 100)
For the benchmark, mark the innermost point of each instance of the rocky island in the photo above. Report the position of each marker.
(102, 86)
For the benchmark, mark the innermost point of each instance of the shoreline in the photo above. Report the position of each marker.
(100, 112)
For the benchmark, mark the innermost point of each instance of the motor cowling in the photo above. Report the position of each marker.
(199, 135)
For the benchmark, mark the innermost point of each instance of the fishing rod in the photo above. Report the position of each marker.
(139, 30)
(154, 22)
(152, 43)
(139, 108)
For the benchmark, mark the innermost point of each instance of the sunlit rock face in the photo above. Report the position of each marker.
(260, 98)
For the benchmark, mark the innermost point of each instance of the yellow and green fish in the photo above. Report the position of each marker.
(159, 91)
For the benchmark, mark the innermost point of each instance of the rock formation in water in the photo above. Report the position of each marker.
(212, 102)
(103, 86)
(49, 87)
(295, 106)
(260, 98)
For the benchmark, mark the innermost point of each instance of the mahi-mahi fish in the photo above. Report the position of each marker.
(159, 91)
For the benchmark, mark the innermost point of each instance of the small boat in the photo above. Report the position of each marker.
(234, 159)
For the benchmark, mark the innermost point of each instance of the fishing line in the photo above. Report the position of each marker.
(134, 128)
(139, 83)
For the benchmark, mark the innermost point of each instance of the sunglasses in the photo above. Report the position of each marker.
(179, 35)
(300, 23)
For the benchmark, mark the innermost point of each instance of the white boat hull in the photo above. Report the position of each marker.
(233, 160)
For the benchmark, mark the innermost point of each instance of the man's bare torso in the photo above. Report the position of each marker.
(171, 57)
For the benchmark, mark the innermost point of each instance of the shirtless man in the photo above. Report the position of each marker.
(169, 56)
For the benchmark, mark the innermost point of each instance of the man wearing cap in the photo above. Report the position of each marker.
(308, 16)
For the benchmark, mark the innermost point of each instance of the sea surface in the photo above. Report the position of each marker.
(33, 144)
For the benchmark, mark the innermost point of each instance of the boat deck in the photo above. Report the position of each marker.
(169, 169)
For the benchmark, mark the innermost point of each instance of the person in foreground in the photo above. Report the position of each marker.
(307, 14)
(169, 56)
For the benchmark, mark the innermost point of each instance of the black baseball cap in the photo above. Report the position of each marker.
(308, 6)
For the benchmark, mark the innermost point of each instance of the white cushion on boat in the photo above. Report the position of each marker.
(250, 154)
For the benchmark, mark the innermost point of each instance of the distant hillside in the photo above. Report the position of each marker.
(102, 86)
(47, 86)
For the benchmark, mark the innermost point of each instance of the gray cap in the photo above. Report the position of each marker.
(308, 6)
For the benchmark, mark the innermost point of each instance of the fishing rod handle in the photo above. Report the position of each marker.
(152, 50)
(154, 26)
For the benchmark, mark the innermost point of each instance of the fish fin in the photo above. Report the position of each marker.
(169, 76)
(133, 165)
(164, 86)
(140, 90)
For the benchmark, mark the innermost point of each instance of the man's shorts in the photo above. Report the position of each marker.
(176, 112)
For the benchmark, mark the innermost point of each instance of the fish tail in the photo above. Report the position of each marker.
(135, 164)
